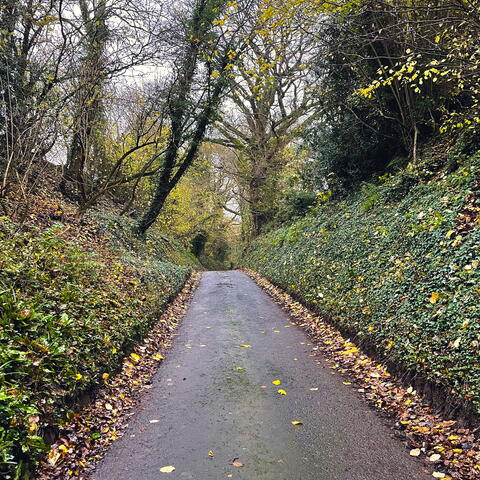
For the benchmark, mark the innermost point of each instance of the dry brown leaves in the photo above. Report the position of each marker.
(446, 448)
(89, 433)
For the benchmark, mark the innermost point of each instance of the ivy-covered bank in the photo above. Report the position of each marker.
(71, 308)
(396, 264)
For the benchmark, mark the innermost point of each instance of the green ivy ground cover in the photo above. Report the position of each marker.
(67, 316)
(398, 264)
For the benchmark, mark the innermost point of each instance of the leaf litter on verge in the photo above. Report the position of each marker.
(414, 418)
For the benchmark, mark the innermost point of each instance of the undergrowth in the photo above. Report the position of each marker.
(67, 317)
(397, 264)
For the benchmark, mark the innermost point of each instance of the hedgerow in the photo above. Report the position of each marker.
(67, 317)
(396, 264)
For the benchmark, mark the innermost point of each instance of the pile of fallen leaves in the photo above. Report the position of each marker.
(88, 434)
(450, 452)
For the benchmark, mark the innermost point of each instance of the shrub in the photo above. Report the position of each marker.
(66, 317)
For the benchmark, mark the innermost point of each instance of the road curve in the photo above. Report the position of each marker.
(209, 395)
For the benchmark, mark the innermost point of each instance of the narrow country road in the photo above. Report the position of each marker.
(201, 402)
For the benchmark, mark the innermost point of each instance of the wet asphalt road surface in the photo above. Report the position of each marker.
(204, 403)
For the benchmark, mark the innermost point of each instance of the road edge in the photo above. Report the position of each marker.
(87, 436)
(449, 452)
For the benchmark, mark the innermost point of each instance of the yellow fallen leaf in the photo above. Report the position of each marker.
(433, 299)
(438, 475)
(282, 392)
(349, 351)
(159, 357)
(245, 346)
(277, 382)
(296, 422)
(211, 454)
(347, 383)
(240, 369)
(435, 457)
(78, 376)
(168, 469)
(105, 376)
(415, 452)
(135, 357)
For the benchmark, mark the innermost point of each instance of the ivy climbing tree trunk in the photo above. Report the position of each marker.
(181, 110)
(170, 176)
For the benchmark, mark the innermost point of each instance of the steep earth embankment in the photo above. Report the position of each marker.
(395, 266)
(75, 298)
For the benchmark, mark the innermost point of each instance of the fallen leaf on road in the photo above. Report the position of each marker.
(296, 422)
(211, 454)
(282, 392)
(159, 357)
(415, 452)
(237, 464)
(245, 346)
(438, 475)
(435, 457)
(154, 421)
(168, 469)
(314, 389)
(240, 369)
(277, 382)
